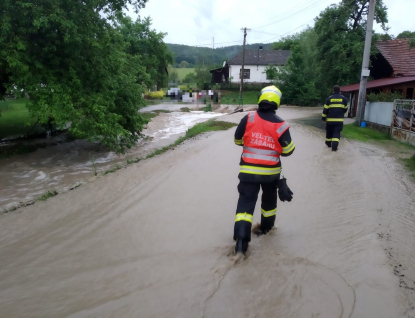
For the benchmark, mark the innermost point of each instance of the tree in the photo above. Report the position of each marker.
(340, 39)
(71, 59)
(184, 64)
(300, 80)
(286, 43)
(149, 46)
(271, 72)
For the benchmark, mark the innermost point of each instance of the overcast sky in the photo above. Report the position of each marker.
(219, 22)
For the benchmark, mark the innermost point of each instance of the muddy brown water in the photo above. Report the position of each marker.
(155, 239)
(66, 165)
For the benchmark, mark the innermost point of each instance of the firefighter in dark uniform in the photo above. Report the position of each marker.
(264, 137)
(333, 114)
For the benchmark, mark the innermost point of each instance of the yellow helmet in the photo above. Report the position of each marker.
(270, 94)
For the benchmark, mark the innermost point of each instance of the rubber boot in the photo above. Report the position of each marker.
(241, 246)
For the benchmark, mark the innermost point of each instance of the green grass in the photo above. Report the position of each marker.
(351, 131)
(182, 72)
(232, 97)
(410, 164)
(47, 195)
(15, 118)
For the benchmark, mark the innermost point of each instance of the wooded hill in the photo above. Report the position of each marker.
(208, 56)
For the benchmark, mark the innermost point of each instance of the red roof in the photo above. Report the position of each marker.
(399, 55)
(378, 83)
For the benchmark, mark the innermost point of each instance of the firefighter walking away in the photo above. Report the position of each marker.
(265, 137)
(333, 114)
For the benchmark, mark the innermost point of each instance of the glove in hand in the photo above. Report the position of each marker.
(284, 192)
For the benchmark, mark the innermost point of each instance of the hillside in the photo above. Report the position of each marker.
(208, 56)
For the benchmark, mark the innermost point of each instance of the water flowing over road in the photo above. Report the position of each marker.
(155, 239)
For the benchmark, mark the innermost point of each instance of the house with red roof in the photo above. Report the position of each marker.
(393, 69)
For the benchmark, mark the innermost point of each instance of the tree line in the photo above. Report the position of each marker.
(82, 62)
(193, 56)
(330, 52)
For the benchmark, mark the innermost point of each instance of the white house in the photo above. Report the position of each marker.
(255, 63)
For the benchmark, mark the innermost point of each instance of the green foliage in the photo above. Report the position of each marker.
(79, 65)
(189, 78)
(384, 97)
(156, 95)
(149, 46)
(184, 64)
(286, 43)
(271, 72)
(47, 195)
(300, 80)
(207, 56)
(328, 54)
(207, 108)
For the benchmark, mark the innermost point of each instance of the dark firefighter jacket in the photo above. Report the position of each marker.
(334, 109)
(256, 172)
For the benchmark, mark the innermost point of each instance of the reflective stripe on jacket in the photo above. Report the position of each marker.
(260, 144)
(334, 108)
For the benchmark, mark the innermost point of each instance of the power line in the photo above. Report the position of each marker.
(290, 15)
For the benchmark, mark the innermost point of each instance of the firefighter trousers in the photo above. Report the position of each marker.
(333, 134)
(248, 195)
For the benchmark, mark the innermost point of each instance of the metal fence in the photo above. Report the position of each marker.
(403, 123)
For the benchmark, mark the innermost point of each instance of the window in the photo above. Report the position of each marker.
(247, 73)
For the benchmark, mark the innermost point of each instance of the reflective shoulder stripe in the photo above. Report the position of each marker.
(243, 217)
(283, 128)
(260, 157)
(251, 117)
(261, 151)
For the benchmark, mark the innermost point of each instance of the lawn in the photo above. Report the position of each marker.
(15, 118)
(182, 72)
(232, 97)
(364, 134)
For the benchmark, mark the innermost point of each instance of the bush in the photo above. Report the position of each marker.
(156, 95)
(384, 97)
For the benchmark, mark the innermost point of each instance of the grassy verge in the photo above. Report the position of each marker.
(232, 98)
(351, 131)
(410, 165)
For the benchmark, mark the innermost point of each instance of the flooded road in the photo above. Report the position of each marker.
(68, 164)
(155, 239)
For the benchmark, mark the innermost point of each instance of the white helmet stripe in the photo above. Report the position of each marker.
(272, 91)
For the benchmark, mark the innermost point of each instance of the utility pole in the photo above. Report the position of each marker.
(243, 63)
(365, 63)
(213, 43)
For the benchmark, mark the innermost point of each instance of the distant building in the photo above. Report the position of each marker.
(255, 63)
(393, 69)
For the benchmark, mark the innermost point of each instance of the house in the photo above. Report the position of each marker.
(393, 69)
(255, 63)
